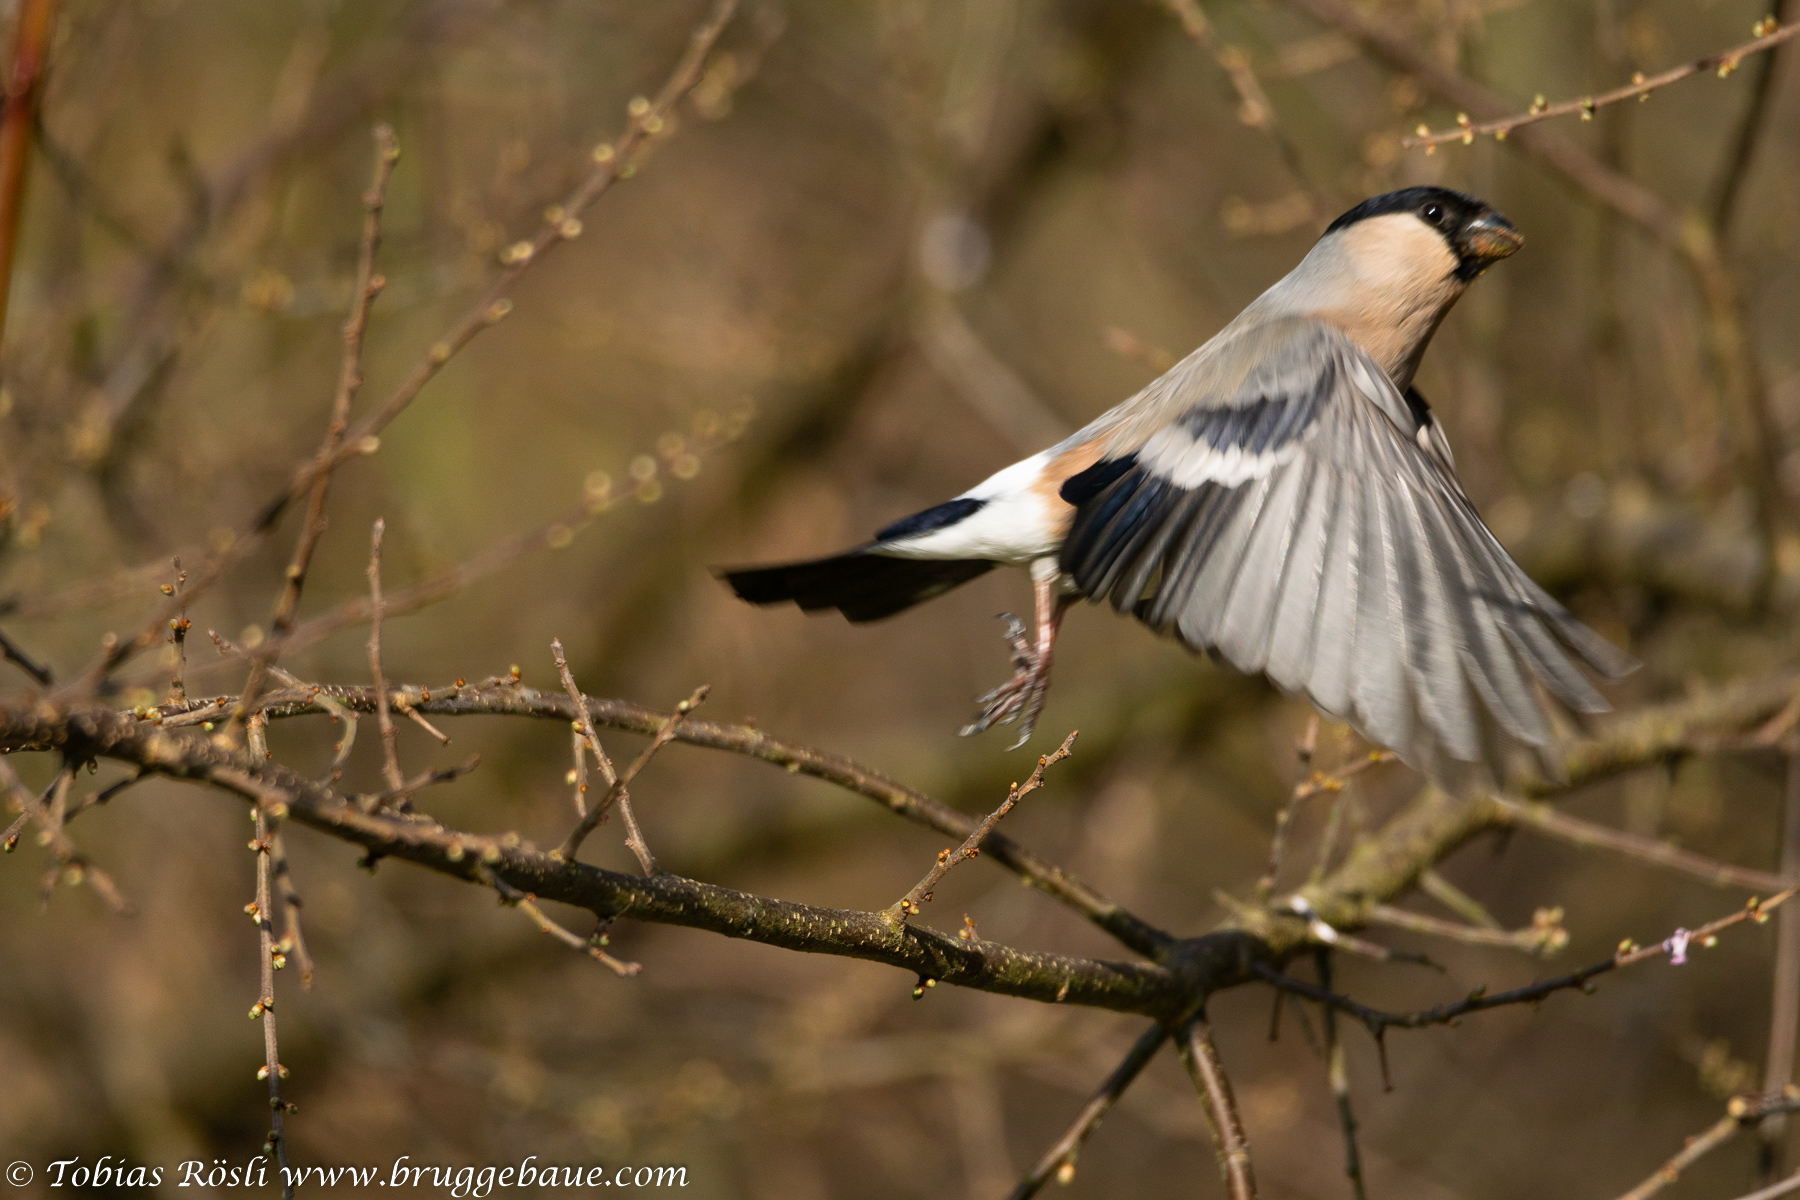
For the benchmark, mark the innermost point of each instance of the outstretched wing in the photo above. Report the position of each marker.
(1300, 518)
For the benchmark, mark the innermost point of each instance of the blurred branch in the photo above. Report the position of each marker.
(1254, 107)
(312, 527)
(1784, 1002)
(1545, 819)
(1058, 1162)
(1740, 1112)
(34, 25)
(612, 163)
(384, 721)
(1724, 62)
(1337, 1073)
(1749, 129)
(13, 653)
(1544, 936)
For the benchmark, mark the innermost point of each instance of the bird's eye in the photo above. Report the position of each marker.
(1433, 213)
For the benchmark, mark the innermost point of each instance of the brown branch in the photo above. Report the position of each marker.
(13, 653)
(368, 285)
(36, 22)
(1676, 946)
(617, 791)
(1786, 1187)
(178, 631)
(1545, 935)
(484, 700)
(1152, 990)
(1201, 1058)
(908, 905)
(51, 813)
(1254, 107)
(1058, 1162)
(1303, 750)
(390, 759)
(1641, 85)
(272, 958)
(527, 904)
(1545, 819)
(1784, 1002)
(1740, 1112)
(1749, 128)
(1337, 1073)
(293, 940)
(584, 733)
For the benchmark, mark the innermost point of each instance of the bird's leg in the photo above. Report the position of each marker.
(1022, 697)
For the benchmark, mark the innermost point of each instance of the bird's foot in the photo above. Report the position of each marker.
(1020, 698)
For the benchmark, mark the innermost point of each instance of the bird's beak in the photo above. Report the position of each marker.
(1488, 239)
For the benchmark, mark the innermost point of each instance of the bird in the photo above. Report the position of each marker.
(1283, 499)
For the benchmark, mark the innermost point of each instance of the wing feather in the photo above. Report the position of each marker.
(1289, 516)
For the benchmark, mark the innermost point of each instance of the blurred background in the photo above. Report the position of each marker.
(890, 247)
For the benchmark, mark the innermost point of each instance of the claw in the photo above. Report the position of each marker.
(1020, 698)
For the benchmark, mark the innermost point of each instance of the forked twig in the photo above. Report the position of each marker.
(908, 905)
(526, 903)
(618, 793)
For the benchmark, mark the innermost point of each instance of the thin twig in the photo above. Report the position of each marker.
(908, 905)
(390, 758)
(1724, 62)
(178, 631)
(1546, 819)
(1744, 137)
(1676, 946)
(1058, 1162)
(13, 653)
(1456, 900)
(1740, 1112)
(584, 732)
(1786, 1187)
(1784, 1002)
(350, 377)
(1545, 935)
(1254, 106)
(1338, 1073)
(293, 941)
(50, 811)
(527, 904)
(617, 792)
(401, 796)
(1201, 1058)
(1303, 750)
(272, 958)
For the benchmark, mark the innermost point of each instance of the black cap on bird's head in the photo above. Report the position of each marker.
(1474, 232)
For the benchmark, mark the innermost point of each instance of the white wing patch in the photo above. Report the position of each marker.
(1185, 461)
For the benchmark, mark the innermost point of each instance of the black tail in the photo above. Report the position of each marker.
(862, 585)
